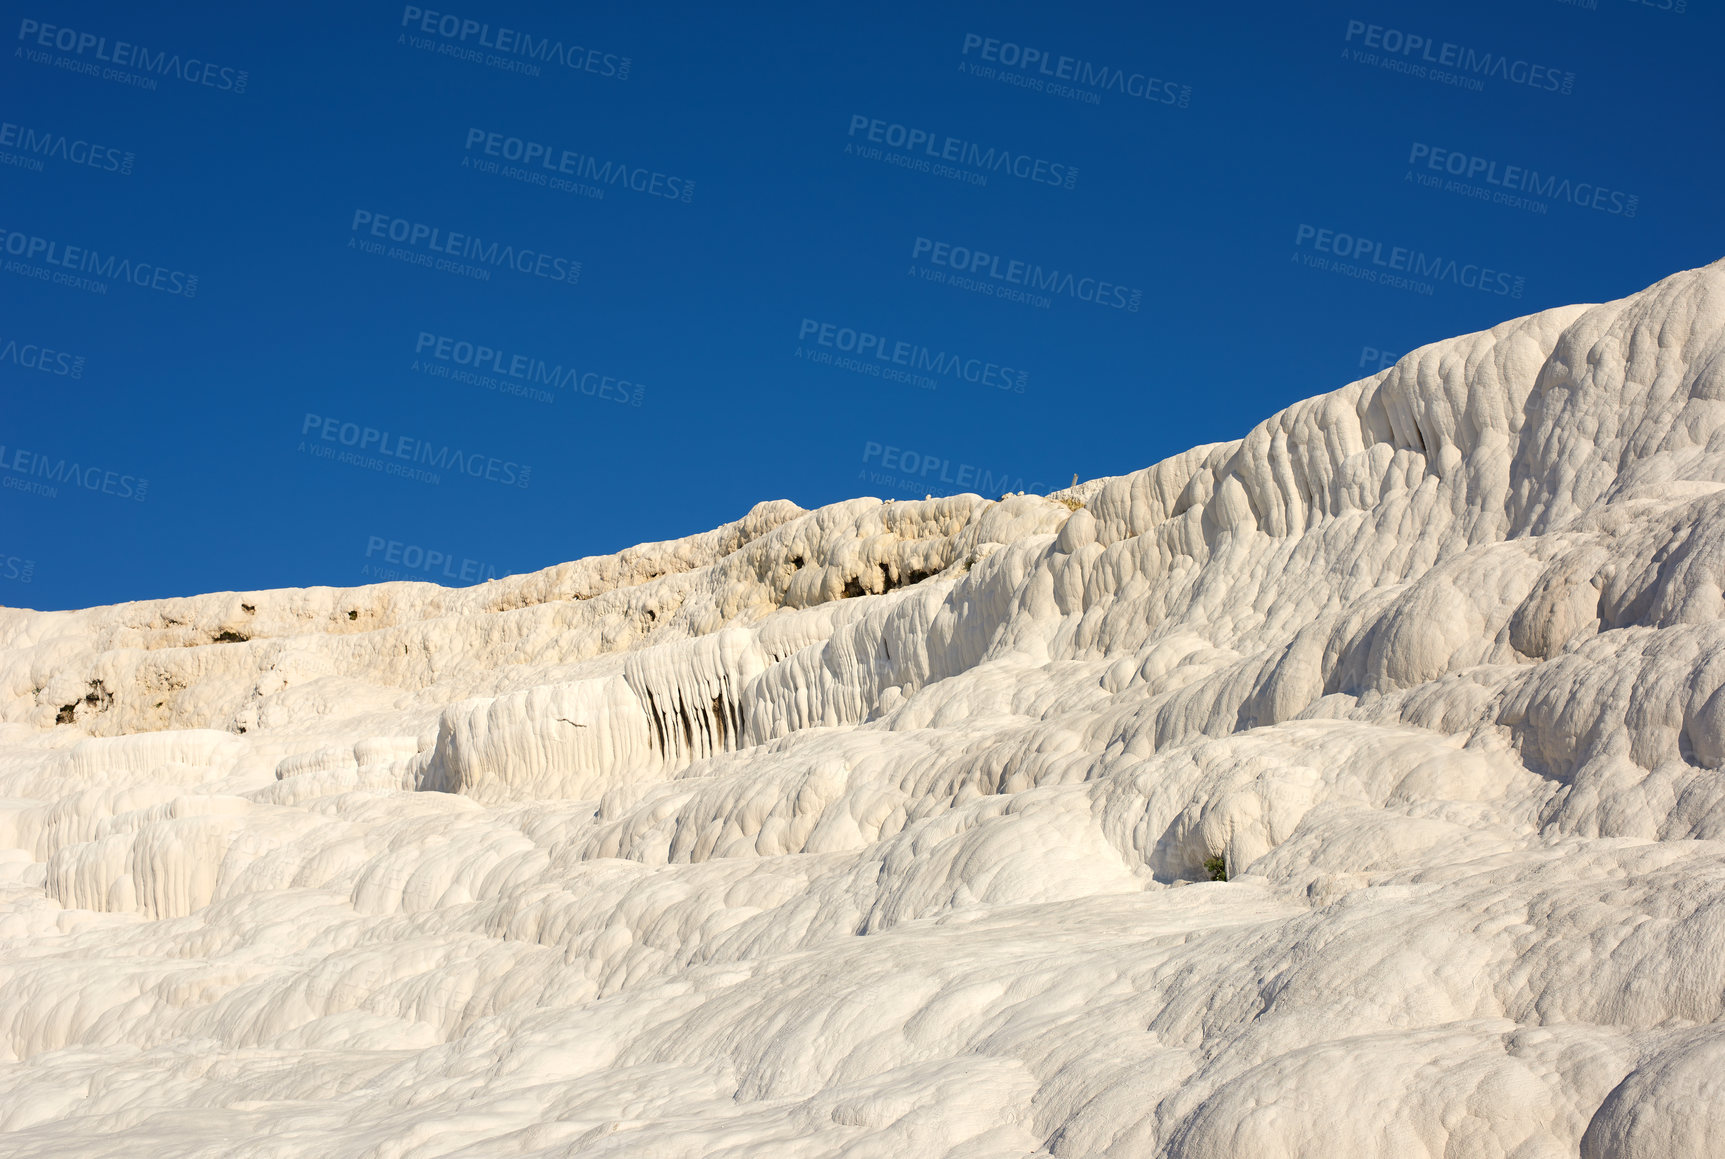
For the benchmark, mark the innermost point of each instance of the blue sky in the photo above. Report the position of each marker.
(453, 319)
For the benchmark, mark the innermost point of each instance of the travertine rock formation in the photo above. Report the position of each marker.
(883, 829)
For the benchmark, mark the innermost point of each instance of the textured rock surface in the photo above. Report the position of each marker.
(880, 830)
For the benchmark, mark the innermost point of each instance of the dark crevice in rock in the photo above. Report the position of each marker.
(98, 699)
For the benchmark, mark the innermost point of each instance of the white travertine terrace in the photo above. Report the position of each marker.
(881, 829)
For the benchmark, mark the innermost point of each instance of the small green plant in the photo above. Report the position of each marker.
(1217, 868)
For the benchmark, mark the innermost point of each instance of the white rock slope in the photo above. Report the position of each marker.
(881, 830)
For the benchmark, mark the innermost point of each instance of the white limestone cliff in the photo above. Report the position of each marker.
(882, 829)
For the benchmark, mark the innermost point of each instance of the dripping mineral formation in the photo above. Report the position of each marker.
(890, 829)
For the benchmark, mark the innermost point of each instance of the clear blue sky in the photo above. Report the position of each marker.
(839, 250)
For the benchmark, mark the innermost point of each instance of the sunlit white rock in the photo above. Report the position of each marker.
(883, 829)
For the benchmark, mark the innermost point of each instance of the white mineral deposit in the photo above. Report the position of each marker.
(895, 830)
